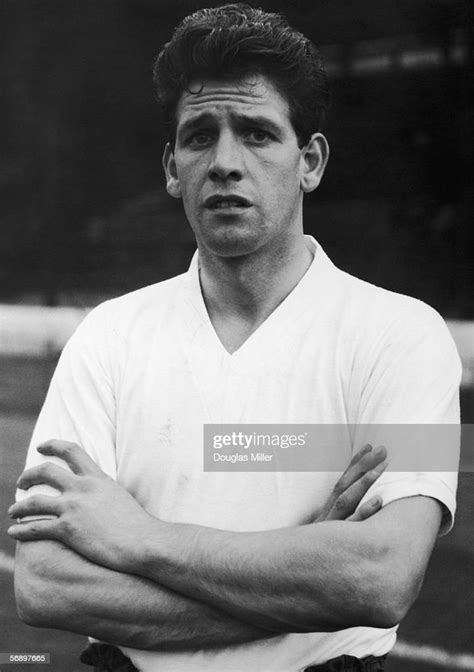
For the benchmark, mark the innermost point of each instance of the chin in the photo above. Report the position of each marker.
(232, 244)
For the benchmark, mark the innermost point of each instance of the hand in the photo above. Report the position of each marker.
(95, 516)
(364, 469)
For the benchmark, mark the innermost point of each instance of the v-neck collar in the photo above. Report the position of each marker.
(199, 322)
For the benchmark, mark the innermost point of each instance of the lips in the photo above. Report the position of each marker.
(225, 201)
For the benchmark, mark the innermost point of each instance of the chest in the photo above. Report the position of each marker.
(173, 385)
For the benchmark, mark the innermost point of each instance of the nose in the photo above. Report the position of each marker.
(226, 159)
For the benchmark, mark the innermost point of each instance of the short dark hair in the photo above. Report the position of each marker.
(232, 41)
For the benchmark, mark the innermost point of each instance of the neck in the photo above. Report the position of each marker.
(247, 289)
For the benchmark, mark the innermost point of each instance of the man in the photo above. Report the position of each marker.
(267, 571)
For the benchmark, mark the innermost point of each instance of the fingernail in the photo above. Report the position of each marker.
(10, 509)
(376, 502)
(380, 450)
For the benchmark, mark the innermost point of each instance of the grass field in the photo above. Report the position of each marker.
(442, 618)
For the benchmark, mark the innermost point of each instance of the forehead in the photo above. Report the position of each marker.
(254, 94)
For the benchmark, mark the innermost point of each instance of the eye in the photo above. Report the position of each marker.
(258, 136)
(199, 139)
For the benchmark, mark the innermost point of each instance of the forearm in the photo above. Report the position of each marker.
(287, 580)
(57, 588)
(320, 577)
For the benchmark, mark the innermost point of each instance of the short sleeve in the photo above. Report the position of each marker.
(412, 379)
(80, 403)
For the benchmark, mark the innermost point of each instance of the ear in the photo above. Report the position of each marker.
(315, 157)
(169, 165)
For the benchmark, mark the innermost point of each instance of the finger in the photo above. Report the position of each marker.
(368, 460)
(34, 505)
(371, 459)
(360, 454)
(345, 480)
(34, 531)
(365, 460)
(48, 473)
(367, 509)
(74, 456)
(347, 502)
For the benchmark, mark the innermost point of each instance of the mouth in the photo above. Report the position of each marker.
(227, 202)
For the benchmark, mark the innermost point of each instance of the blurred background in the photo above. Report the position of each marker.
(84, 215)
(83, 208)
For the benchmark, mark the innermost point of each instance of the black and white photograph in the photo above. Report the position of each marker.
(236, 336)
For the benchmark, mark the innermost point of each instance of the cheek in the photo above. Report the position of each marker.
(285, 184)
(285, 170)
(190, 174)
(189, 186)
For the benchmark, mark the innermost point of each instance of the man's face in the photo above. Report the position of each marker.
(237, 166)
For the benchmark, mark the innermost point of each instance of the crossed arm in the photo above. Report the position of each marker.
(122, 576)
(58, 588)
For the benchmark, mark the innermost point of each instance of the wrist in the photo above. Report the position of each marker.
(143, 546)
(168, 552)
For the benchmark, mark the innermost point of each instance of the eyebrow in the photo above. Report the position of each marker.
(206, 118)
(258, 120)
(195, 122)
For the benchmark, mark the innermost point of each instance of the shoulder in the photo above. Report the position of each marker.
(377, 313)
(137, 310)
(385, 336)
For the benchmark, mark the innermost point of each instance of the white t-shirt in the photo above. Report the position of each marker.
(143, 373)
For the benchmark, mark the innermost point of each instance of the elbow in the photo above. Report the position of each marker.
(26, 608)
(32, 606)
(388, 615)
(391, 601)
(29, 606)
(33, 595)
